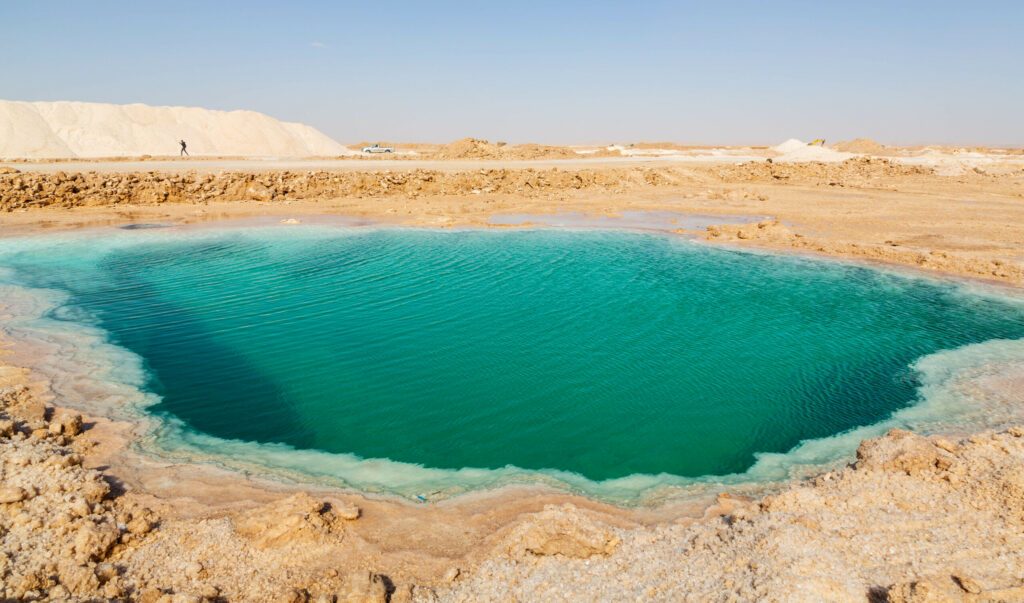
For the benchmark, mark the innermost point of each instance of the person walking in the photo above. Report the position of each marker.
(183, 152)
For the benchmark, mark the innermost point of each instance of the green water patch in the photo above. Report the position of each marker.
(602, 355)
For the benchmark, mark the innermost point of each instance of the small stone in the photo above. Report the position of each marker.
(347, 511)
(70, 424)
(12, 494)
(95, 490)
(423, 593)
(78, 579)
(210, 592)
(106, 571)
(969, 585)
(294, 595)
(194, 570)
(149, 595)
(451, 574)
(365, 587)
(113, 590)
(94, 541)
(80, 507)
(139, 526)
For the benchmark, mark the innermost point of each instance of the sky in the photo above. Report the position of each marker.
(728, 72)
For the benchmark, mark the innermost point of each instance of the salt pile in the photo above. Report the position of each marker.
(796, 151)
(789, 146)
(72, 129)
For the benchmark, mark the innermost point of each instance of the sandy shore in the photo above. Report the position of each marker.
(914, 515)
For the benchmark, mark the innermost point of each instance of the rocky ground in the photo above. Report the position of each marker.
(913, 519)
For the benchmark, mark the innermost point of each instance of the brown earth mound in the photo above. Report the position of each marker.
(475, 148)
(851, 172)
(860, 145)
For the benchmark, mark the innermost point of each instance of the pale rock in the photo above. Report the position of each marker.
(364, 587)
(921, 591)
(298, 519)
(563, 531)
(80, 507)
(95, 490)
(79, 579)
(969, 585)
(93, 541)
(193, 570)
(346, 511)
(451, 574)
(69, 424)
(899, 451)
(12, 494)
(105, 571)
(142, 522)
(424, 594)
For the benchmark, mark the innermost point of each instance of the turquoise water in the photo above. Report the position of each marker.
(598, 354)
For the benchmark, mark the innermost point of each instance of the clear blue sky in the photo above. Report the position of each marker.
(902, 71)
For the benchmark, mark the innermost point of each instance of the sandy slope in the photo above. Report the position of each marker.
(74, 129)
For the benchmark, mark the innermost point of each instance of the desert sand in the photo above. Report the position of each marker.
(911, 519)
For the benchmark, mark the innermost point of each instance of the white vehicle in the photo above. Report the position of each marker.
(378, 149)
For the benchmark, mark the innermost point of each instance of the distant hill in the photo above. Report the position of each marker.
(64, 129)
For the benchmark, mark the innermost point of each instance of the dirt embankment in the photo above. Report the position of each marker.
(858, 171)
(29, 190)
(22, 190)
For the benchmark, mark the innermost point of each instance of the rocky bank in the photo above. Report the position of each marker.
(912, 519)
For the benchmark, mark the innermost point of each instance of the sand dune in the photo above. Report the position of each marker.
(72, 129)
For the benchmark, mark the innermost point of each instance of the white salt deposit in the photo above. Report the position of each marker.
(789, 146)
(798, 151)
(73, 129)
(813, 153)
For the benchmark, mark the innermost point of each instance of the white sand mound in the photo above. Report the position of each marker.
(797, 151)
(813, 153)
(789, 146)
(72, 129)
